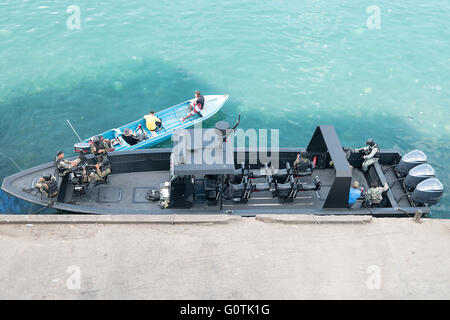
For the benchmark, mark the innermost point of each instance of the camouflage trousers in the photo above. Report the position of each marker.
(368, 162)
(95, 177)
(42, 187)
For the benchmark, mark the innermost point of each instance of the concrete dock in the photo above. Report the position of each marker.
(223, 257)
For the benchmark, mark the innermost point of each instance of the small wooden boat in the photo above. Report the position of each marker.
(170, 121)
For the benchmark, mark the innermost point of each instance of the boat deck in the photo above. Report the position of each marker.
(127, 191)
(396, 187)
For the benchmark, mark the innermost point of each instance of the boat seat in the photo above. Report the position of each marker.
(210, 188)
(286, 190)
(306, 173)
(285, 186)
(283, 174)
(239, 174)
(263, 186)
(312, 186)
(239, 192)
(238, 187)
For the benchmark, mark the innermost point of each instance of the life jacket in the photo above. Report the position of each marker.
(52, 187)
(302, 165)
(60, 167)
(101, 145)
(377, 155)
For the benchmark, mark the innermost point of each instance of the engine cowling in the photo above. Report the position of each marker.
(410, 160)
(428, 192)
(418, 174)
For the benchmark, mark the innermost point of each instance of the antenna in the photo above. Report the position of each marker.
(74, 130)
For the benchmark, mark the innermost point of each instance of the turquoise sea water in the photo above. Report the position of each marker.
(289, 65)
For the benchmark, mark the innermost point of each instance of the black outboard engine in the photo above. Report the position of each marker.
(411, 160)
(82, 147)
(428, 192)
(417, 174)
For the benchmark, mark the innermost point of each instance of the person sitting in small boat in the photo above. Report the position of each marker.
(130, 137)
(65, 166)
(372, 153)
(102, 170)
(47, 185)
(196, 107)
(354, 194)
(152, 122)
(375, 195)
(302, 163)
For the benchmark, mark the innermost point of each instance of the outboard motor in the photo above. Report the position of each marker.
(428, 192)
(82, 147)
(411, 160)
(417, 174)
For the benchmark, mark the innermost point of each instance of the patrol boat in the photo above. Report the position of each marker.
(208, 175)
(170, 122)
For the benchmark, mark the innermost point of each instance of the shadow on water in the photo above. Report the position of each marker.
(38, 120)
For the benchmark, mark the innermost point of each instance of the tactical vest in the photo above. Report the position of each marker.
(52, 187)
(100, 146)
(302, 165)
(61, 169)
(377, 155)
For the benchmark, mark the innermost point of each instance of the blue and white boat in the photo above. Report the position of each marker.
(170, 121)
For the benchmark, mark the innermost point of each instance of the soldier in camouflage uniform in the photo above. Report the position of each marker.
(47, 185)
(102, 170)
(372, 153)
(64, 166)
(375, 194)
(302, 163)
(99, 148)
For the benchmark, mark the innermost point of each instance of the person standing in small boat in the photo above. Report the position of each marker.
(64, 166)
(196, 106)
(152, 122)
(372, 153)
